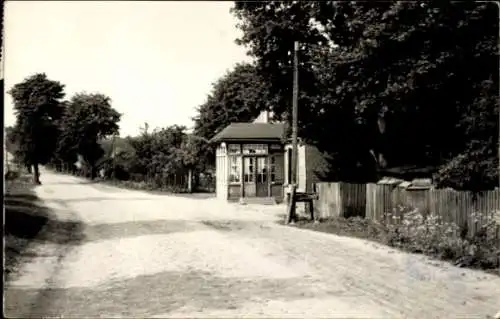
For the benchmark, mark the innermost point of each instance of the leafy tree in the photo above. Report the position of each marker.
(38, 109)
(87, 119)
(118, 157)
(160, 154)
(476, 166)
(11, 144)
(384, 84)
(239, 96)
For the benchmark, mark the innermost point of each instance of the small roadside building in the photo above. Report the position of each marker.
(253, 160)
(249, 161)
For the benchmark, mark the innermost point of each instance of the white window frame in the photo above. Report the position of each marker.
(235, 167)
(272, 169)
(234, 149)
(258, 149)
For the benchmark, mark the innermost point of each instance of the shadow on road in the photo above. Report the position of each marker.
(139, 228)
(19, 197)
(27, 220)
(194, 195)
(159, 294)
(86, 182)
(99, 199)
(110, 186)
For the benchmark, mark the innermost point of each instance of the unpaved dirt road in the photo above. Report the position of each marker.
(110, 252)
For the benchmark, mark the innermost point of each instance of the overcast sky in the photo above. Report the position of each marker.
(156, 60)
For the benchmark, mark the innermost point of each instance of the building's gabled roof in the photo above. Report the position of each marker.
(251, 132)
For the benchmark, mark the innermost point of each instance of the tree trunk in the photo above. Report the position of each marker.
(196, 180)
(92, 172)
(190, 180)
(36, 174)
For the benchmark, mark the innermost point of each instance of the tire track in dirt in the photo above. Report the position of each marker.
(329, 270)
(43, 260)
(381, 291)
(42, 303)
(401, 294)
(382, 285)
(285, 248)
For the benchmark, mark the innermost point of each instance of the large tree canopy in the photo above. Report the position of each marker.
(87, 119)
(160, 154)
(38, 109)
(386, 84)
(239, 96)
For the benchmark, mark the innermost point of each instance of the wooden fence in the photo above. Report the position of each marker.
(340, 200)
(388, 204)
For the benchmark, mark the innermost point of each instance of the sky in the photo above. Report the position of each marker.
(155, 60)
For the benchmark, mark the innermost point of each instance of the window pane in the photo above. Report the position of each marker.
(235, 169)
(249, 165)
(255, 148)
(234, 149)
(272, 167)
(249, 178)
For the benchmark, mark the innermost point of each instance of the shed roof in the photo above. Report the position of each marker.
(387, 180)
(251, 131)
(420, 184)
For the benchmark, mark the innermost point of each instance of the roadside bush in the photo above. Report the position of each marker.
(432, 236)
(12, 175)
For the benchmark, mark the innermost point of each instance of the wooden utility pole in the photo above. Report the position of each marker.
(295, 102)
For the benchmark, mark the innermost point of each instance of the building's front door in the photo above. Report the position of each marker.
(249, 176)
(261, 177)
(255, 176)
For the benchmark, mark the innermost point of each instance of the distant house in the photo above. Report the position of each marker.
(253, 160)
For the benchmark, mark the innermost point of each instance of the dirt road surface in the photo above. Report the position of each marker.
(110, 252)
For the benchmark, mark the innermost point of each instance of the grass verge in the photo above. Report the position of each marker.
(28, 221)
(24, 219)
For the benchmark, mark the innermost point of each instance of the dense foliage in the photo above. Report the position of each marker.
(386, 84)
(81, 135)
(158, 153)
(87, 119)
(38, 107)
(382, 85)
(239, 96)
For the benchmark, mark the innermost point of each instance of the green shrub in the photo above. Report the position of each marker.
(431, 235)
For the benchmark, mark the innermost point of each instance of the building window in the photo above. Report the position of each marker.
(249, 169)
(262, 170)
(234, 169)
(234, 149)
(272, 167)
(255, 149)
